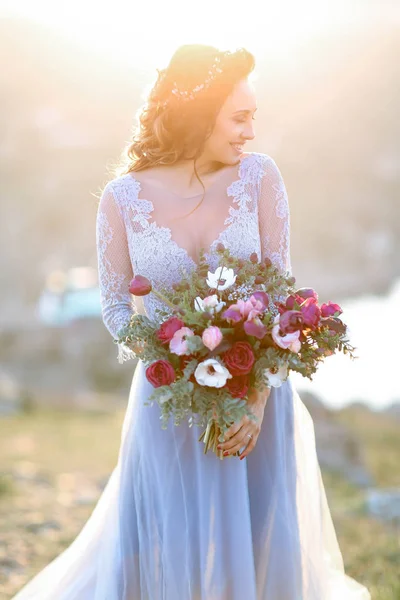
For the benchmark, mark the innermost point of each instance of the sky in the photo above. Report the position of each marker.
(146, 34)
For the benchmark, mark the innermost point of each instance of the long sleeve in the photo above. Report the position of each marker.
(274, 217)
(114, 264)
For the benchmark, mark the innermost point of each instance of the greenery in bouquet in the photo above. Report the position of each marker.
(218, 335)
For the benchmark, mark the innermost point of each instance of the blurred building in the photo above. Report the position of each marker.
(68, 296)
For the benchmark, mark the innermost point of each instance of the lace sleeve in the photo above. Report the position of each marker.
(114, 264)
(274, 217)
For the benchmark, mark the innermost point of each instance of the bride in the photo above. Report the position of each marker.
(173, 523)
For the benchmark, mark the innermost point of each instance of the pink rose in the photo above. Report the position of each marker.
(178, 344)
(167, 329)
(212, 337)
(160, 372)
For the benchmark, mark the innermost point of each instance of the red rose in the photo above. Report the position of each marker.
(240, 358)
(160, 372)
(238, 386)
(167, 329)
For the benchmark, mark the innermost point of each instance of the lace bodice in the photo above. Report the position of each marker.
(130, 240)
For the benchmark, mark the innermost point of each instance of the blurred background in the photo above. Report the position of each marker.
(72, 77)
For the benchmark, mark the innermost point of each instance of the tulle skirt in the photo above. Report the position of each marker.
(175, 524)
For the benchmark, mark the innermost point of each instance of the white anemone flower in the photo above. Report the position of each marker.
(211, 304)
(276, 379)
(212, 373)
(222, 279)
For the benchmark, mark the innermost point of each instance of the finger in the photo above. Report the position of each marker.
(245, 443)
(233, 429)
(233, 439)
(239, 440)
(248, 448)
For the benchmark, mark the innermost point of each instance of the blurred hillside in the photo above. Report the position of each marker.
(328, 116)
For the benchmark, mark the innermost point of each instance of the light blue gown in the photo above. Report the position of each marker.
(173, 523)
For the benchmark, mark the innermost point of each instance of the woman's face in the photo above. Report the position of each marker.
(234, 125)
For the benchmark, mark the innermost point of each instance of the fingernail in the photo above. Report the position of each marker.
(242, 457)
(226, 453)
(219, 447)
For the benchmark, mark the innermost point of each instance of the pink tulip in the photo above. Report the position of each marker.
(290, 300)
(328, 310)
(178, 344)
(311, 312)
(140, 286)
(307, 293)
(212, 337)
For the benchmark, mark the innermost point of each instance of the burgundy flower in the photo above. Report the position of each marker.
(335, 324)
(140, 286)
(328, 310)
(240, 358)
(238, 386)
(160, 372)
(290, 321)
(167, 329)
(311, 312)
(254, 258)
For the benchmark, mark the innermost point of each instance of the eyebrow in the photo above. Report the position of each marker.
(244, 110)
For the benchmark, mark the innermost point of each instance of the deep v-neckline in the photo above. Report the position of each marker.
(230, 191)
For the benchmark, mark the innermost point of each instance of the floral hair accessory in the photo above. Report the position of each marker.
(186, 95)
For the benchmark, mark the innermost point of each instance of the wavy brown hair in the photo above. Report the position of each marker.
(169, 128)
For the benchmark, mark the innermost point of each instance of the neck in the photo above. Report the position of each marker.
(204, 167)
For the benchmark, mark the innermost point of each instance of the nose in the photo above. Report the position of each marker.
(248, 133)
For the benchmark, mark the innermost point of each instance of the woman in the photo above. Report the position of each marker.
(173, 523)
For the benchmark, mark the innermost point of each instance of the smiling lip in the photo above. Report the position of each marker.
(237, 147)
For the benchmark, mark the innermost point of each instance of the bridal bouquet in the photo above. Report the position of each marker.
(223, 333)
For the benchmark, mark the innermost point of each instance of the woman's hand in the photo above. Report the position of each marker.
(237, 435)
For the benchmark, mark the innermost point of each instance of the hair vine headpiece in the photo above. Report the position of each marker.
(186, 95)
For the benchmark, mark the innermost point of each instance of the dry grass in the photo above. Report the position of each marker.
(48, 455)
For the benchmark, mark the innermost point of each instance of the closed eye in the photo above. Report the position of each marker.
(243, 120)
